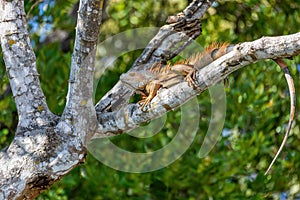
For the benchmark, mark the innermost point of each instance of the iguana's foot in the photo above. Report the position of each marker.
(143, 103)
(190, 78)
(152, 87)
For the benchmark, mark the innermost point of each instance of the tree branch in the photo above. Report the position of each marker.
(20, 63)
(79, 111)
(167, 99)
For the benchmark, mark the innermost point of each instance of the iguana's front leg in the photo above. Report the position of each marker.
(150, 92)
(166, 80)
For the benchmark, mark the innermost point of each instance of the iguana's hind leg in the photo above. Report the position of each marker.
(291, 87)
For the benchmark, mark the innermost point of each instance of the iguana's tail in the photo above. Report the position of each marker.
(291, 86)
(215, 51)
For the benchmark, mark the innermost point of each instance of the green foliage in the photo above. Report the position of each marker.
(53, 66)
(257, 108)
(124, 15)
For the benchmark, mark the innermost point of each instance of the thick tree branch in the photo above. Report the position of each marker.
(167, 99)
(79, 111)
(20, 63)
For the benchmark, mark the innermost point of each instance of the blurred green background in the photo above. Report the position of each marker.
(257, 105)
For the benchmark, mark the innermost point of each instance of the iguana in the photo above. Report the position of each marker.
(148, 82)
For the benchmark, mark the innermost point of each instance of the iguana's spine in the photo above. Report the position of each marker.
(198, 60)
(211, 53)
